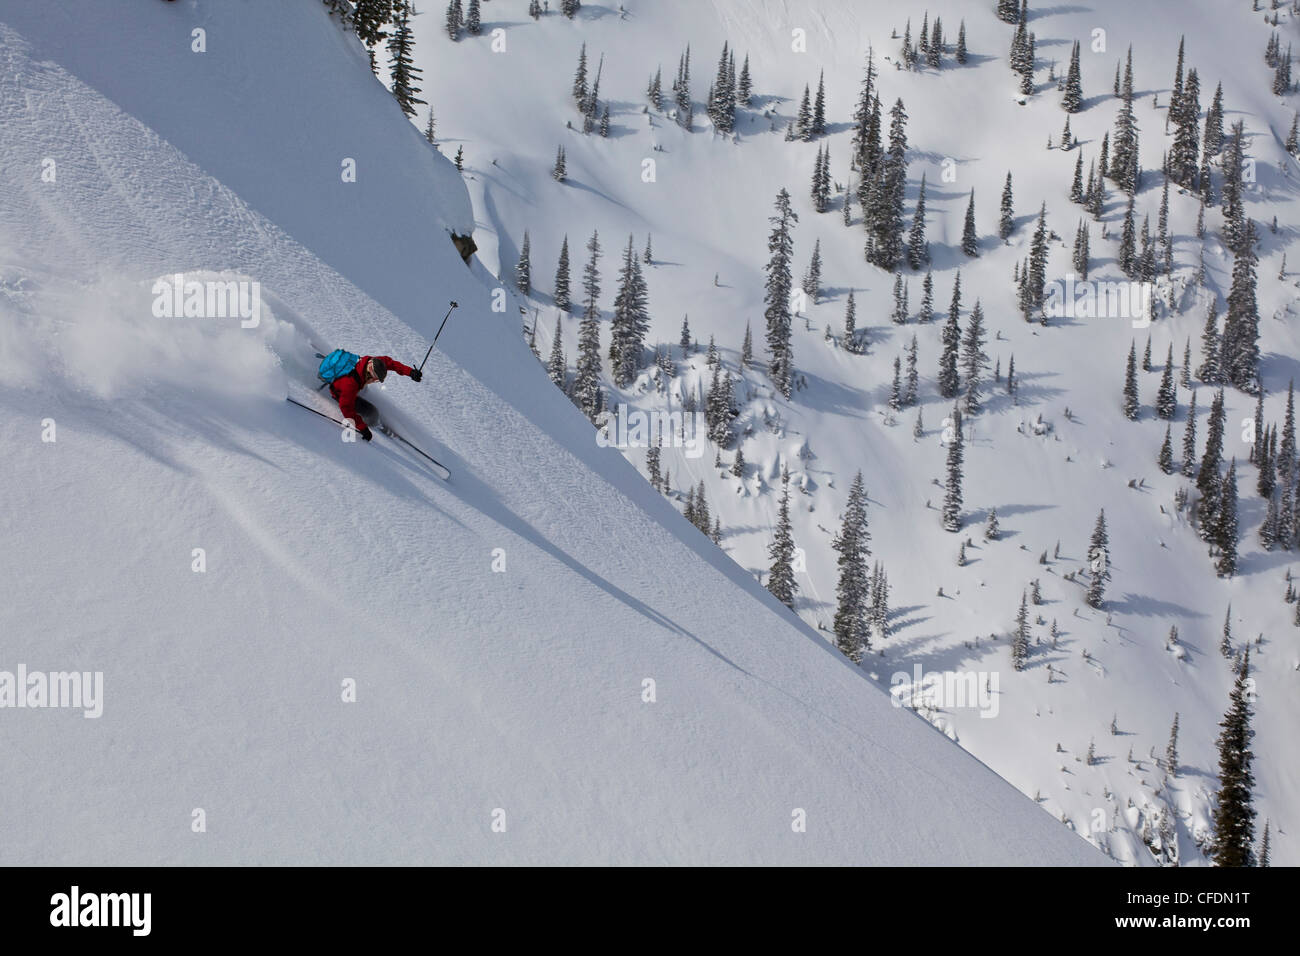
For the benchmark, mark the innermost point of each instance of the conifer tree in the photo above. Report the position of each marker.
(1081, 251)
(1020, 639)
(429, 132)
(776, 298)
(952, 497)
(780, 578)
(368, 20)
(850, 324)
(1189, 440)
(1131, 405)
(974, 360)
(1241, 322)
(1167, 396)
(1007, 221)
(1166, 457)
(1209, 372)
(948, 380)
(916, 245)
(586, 382)
(744, 85)
(812, 279)
(1225, 530)
(969, 238)
(1098, 562)
(558, 171)
(401, 66)
(1171, 750)
(473, 18)
(852, 591)
(524, 269)
(1207, 476)
(455, 19)
(747, 348)
(580, 78)
(556, 368)
(912, 380)
(631, 319)
(900, 300)
(1234, 813)
(817, 126)
(1128, 255)
(1072, 101)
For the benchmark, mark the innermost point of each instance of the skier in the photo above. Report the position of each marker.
(368, 369)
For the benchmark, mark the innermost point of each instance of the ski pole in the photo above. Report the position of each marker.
(314, 412)
(435, 338)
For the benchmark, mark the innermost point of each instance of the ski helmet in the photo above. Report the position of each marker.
(381, 370)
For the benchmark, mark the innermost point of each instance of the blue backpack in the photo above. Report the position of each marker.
(337, 364)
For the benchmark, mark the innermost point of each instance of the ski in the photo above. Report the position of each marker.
(437, 468)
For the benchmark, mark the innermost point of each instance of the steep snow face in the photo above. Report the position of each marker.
(1048, 460)
(312, 651)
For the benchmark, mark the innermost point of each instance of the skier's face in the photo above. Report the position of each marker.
(371, 377)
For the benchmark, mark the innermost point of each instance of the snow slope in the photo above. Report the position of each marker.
(706, 207)
(485, 700)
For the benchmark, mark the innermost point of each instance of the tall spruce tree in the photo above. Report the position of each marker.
(1098, 562)
(1007, 219)
(917, 249)
(1234, 813)
(776, 298)
(586, 382)
(1225, 524)
(969, 238)
(780, 578)
(1131, 405)
(631, 318)
(952, 496)
(1167, 395)
(401, 66)
(1241, 323)
(562, 300)
(1072, 100)
(524, 269)
(852, 545)
(974, 360)
(951, 337)
(556, 367)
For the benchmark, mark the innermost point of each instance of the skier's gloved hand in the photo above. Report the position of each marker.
(367, 435)
(416, 375)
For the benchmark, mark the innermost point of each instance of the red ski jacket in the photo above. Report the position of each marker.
(345, 388)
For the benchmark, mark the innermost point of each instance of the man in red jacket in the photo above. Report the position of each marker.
(369, 369)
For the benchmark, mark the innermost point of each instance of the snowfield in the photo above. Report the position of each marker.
(1048, 461)
(313, 652)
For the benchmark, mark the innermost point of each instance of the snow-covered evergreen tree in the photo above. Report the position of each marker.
(1131, 406)
(812, 278)
(948, 380)
(852, 590)
(586, 382)
(969, 238)
(917, 249)
(1098, 562)
(1167, 395)
(952, 496)
(776, 298)
(631, 318)
(556, 367)
(974, 360)
(524, 269)
(401, 67)
(1234, 812)
(780, 579)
